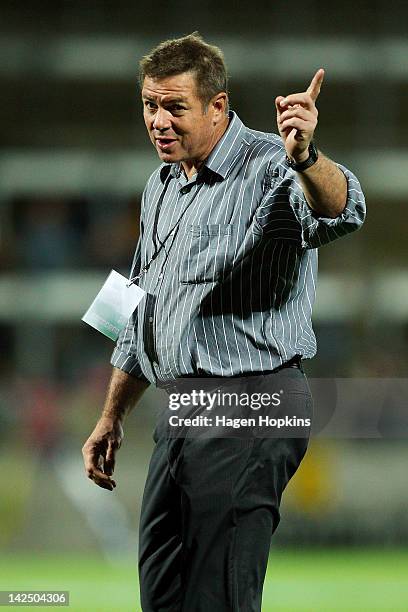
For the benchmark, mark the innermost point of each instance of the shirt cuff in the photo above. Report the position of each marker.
(127, 363)
(355, 202)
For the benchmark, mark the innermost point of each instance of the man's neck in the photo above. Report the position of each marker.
(191, 167)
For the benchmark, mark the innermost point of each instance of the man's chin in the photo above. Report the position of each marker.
(169, 158)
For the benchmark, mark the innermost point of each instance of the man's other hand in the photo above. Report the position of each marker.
(296, 117)
(99, 451)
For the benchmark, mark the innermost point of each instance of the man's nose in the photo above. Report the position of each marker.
(161, 120)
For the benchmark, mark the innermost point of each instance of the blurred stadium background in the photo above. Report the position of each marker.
(73, 162)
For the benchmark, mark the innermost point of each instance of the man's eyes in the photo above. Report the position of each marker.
(172, 107)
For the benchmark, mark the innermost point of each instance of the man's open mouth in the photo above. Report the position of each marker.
(165, 143)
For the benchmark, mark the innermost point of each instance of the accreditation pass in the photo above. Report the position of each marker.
(114, 304)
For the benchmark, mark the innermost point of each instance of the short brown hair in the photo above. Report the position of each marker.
(188, 54)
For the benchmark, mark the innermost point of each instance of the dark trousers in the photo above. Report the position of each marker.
(210, 507)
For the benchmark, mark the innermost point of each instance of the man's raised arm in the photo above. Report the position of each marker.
(99, 450)
(323, 183)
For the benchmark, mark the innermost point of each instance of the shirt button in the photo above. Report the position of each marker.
(160, 276)
(150, 319)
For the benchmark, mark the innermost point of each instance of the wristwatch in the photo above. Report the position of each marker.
(312, 159)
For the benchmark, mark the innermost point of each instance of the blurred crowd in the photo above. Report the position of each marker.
(58, 233)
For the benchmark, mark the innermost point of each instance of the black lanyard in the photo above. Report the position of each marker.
(155, 237)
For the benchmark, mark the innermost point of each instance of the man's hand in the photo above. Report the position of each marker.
(100, 449)
(297, 118)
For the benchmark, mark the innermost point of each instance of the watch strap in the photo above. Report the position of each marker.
(312, 159)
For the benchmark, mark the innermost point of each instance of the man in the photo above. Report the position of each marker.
(227, 255)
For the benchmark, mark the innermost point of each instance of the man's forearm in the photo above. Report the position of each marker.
(123, 393)
(325, 187)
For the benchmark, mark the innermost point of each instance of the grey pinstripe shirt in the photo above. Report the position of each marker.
(232, 289)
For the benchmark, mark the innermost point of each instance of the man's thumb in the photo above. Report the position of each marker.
(110, 460)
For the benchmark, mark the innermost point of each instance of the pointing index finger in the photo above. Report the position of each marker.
(314, 88)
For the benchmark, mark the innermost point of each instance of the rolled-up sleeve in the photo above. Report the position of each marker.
(124, 355)
(317, 230)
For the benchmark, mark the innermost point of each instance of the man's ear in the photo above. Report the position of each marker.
(219, 104)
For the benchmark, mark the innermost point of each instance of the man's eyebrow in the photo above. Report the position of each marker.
(179, 99)
(175, 99)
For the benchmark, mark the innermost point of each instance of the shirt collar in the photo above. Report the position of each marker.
(222, 155)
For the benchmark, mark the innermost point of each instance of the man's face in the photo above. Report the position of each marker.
(174, 117)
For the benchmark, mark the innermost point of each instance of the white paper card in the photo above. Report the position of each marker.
(112, 307)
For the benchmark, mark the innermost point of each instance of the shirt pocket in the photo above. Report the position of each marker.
(207, 253)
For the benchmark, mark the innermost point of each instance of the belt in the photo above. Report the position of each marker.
(171, 385)
(295, 362)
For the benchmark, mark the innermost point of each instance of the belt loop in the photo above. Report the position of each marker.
(295, 362)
